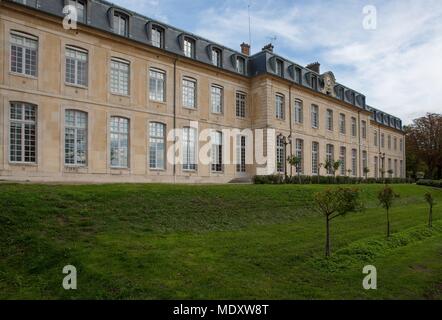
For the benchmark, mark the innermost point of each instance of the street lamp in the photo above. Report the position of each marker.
(285, 141)
(382, 158)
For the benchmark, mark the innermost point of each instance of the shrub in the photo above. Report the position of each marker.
(280, 179)
(430, 183)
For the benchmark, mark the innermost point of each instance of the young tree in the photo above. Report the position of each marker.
(333, 203)
(390, 173)
(296, 162)
(366, 172)
(430, 200)
(386, 197)
(336, 166)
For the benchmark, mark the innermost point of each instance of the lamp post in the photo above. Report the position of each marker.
(382, 158)
(285, 141)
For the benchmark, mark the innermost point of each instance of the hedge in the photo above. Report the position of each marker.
(430, 183)
(280, 179)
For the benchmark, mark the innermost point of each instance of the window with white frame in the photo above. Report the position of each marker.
(157, 85)
(364, 129)
(280, 155)
(23, 132)
(240, 153)
(121, 23)
(157, 37)
(279, 68)
(364, 159)
(342, 158)
(315, 116)
(354, 162)
(330, 156)
(119, 76)
(241, 105)
(216, 57)
(76, 66)
(375, 138)
(75, 138)
(189, 93)
(80, 6)
(329, 120)
(353, 127)
(189, 47)
(241, 65)
(390, 169)
(189, 144)
(389, 142)
(217, 151)
(280, 107)
(376, 167)
(299, 112)
(119, 142)
(382, 140)
(24, 50)
(342, 129)
(217, 99)
(299, 152)
(157, 146)
(315, 158)
(401, 144)
(395, 168)
(395, 143)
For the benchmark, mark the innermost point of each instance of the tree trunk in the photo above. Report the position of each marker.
(327, 241)
(388, 224)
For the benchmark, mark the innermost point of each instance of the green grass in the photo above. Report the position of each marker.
(212, 242)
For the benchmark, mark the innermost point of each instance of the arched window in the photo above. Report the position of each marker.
(75, 138)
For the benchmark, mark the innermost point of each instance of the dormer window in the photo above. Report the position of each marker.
(314, 83)
(80, 6)
(216, 57)
(189, 47)
(240, 65)
(121, 22)
(279, 68)
(298, 75)
(157, 37)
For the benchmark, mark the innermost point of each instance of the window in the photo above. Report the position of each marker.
(364, 129)
(330, 156)
(279, 107)
(299, 112)
(329, 120)
(157, 85)
(354, 162)
(241, 65)
(353, 127)
(24, 54)
(375, 137)
(217, 151)
(80, 5)
(298, 74)
(279, 68)
(376, 167)
(119, 81)
(401, 145)
(119, 142)
(189, 93)
(401, 164)
(315, 83)
(23, 133)
(383, 140)
(395, 168)
(315, 158)
(189, 47)
(189, 149)
(157, 146)
(342, 123)
(299, 152)
(216, 57)
(120, 24)
(75, 138)
(395, 143)
(364, 159)
(280, 155)
(217, 99)
(240, 105)
(389, 142)
(76, 66)
(241, 154)
(157, 37)
(315, 116)
(390, 169)
(342, 156)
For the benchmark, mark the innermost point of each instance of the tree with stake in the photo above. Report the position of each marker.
(366, 172)
(386, 197)
(336, 166)
(296, 162)
(430, 200)
(333, 203)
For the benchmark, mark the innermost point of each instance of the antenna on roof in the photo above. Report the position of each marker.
(272, 39)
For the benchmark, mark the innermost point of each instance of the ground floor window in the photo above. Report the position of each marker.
(241, 154)
(23, 134)
(75, 138)
(119, 142)
(157, 148)
(280, 155)
(342, 155)
(315, 158)
(217, 151)
(189, 148)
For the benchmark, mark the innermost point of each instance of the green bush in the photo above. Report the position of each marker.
(430, 183)
(280, 179)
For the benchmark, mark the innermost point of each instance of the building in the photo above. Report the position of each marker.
(96, 103)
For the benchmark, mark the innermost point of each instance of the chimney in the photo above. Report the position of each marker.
(268, 47)
(245, 49)
(315, 66)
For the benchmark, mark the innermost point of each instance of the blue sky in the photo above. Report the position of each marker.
(398, 66)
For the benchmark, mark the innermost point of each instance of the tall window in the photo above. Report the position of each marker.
(342, 123)
(329, 121)
(329, 156)
(280, 155)
(157, 37)
(76, 66)
(401, 173)
(119, 81)
(241, 65)
(157, 146)
(364, 129)
(24, 54)
(315, 158)
(375, 137)
(189, 93)
(119, 142)
(354, 162)
(80, 5)
(157, 85)
(189, 148)
(299, 152)
(189, 48)
(23, 133)
(364, 159)
(217, 151)
(389, 142)
(279, 107)
(376, 167)
(298, 75)
(314, 83)
(240, 153)
(390, 168)
(120, 24)
(216, 57)
(353, 127)
(315, 116)
(395, 168)
(342, 157)
(395, 143)
(382, 140)
(401, 144)
(299, 112)
(75, 138)
(217, 99)
(240, 105)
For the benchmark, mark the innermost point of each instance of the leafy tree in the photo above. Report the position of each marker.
(431, 202)
(390, 172)
(332, 166)
(333, 203)
(386, 198)
(366, 172)
(296, 162)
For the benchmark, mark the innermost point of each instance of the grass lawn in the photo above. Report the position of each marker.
(212, 242)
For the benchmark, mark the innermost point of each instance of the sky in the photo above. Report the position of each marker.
(396, 62)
